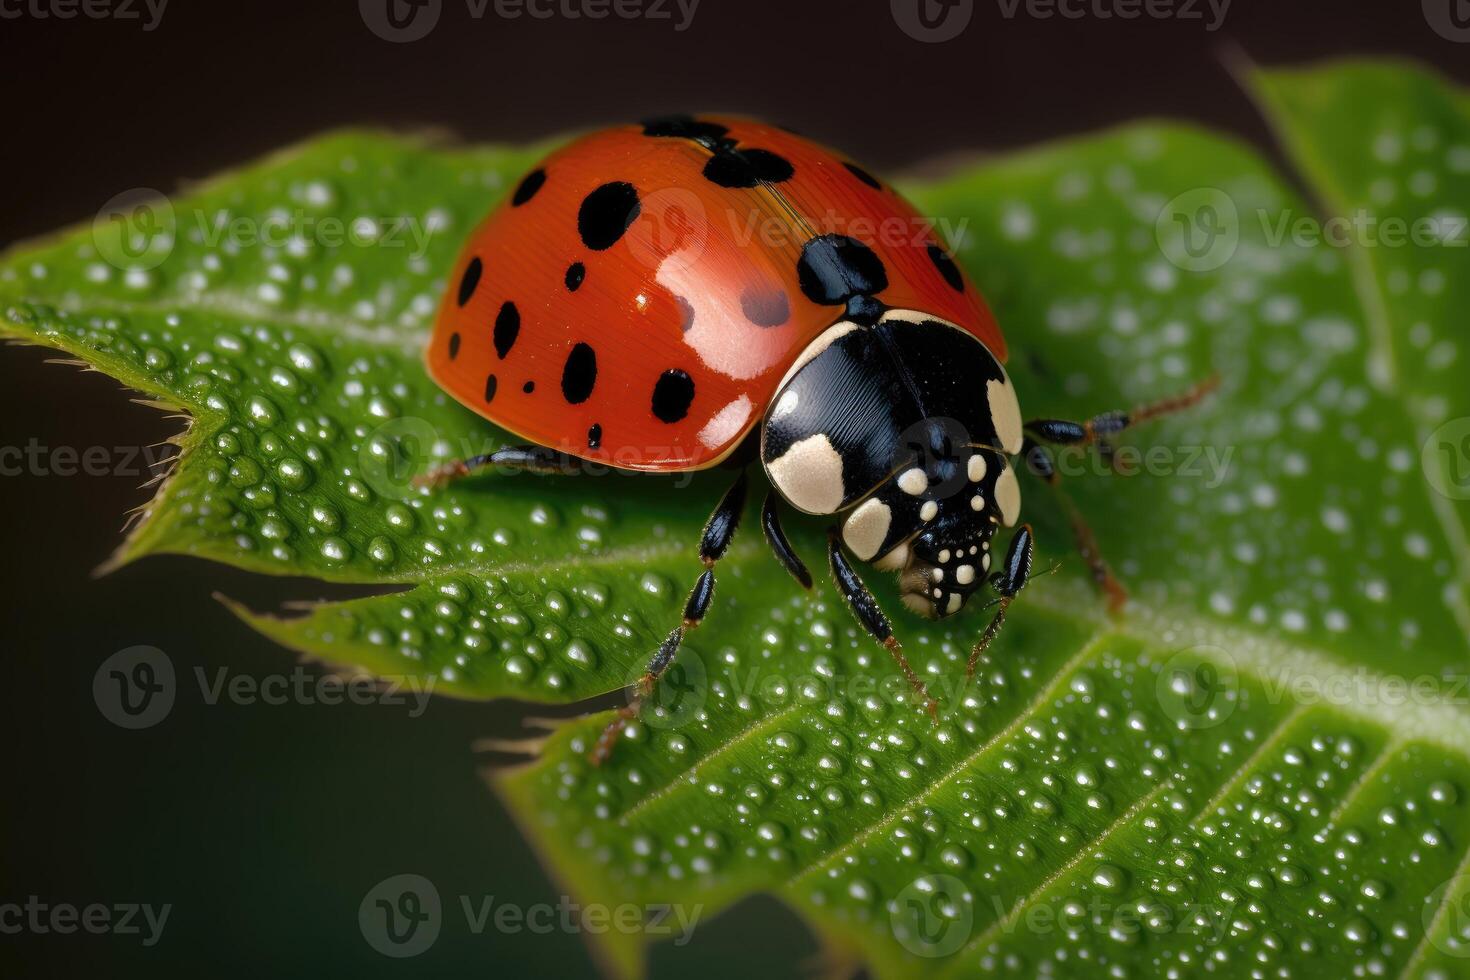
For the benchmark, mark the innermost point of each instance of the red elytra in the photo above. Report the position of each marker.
(638, 297)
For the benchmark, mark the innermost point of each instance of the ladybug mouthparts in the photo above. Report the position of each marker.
(945, 569)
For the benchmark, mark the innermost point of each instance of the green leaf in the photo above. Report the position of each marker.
(1261, 767)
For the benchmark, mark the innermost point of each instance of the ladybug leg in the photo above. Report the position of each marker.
(526, 459)
(1100, 428)
(719, 530)
(866, 611)
(1039, 462)
(785, 554)
(1010, 579)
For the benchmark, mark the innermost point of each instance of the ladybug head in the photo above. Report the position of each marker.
(945, 565)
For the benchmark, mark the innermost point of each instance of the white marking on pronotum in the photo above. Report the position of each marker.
(975, 468)
(913, 482)
(977, 502)
(866, 528)
(894, 560)
(965, 574)
(1005, 414)
(917, 316)
(809, 474)
(929, 511)
(1008, 496)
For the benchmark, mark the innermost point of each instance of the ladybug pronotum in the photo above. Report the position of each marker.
(688, 293)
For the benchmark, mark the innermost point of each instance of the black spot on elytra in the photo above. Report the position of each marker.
(576, 272)
(594, 436)
(453, 346)
(606, 213)
(528, 187)
(685, 127)
(947, 268)
(863, 175)
(470, 280)
(507, 328)
(686, 313)
(490, 385)
(528, 387)
(672, 395)
(765, 306)
(746, 168)
(835, 268)
(579, 374)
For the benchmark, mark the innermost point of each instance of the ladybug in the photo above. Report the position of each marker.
(694, 292)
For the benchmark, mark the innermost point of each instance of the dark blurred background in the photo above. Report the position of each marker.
(264, 826)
